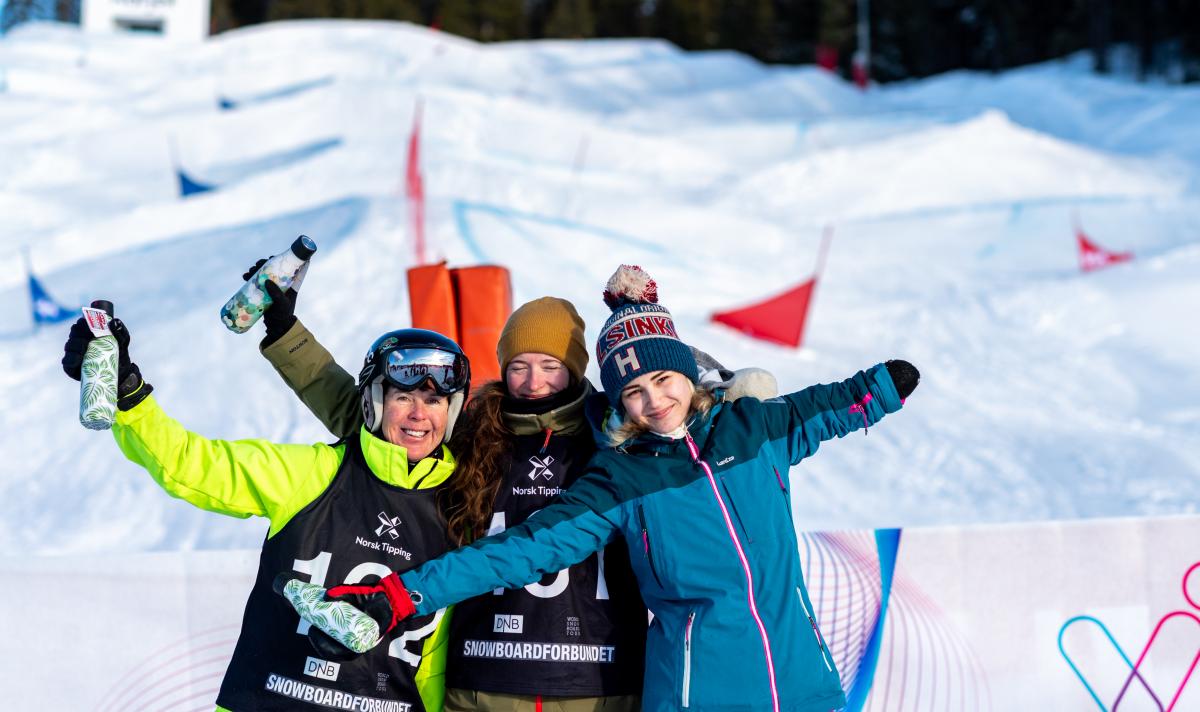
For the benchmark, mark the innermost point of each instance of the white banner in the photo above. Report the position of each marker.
(122, 632)
(1089, 615)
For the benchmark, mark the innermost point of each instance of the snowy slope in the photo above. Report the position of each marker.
(1046, 393)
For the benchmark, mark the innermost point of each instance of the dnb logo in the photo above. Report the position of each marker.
(323, 669)
(387, 525)
(508, 624)
(1180, 630)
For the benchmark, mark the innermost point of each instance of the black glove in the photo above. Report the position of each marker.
(131, 389)
(905, 376)
(281, 315)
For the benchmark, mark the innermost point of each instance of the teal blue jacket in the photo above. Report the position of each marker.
(708, 522)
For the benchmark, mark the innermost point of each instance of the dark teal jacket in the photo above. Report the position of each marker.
(709, 527)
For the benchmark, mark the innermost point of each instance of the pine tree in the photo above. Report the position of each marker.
(484, 20)
(747, 26)
(690, 24)
(571, 18)
(621, 18)
(796, 30)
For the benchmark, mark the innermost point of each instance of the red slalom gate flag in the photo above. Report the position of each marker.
(414, 186)
(1093, 257)
(779, 319)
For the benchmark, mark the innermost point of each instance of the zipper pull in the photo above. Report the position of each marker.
(546, 442)
(645, 533)
(860, 406)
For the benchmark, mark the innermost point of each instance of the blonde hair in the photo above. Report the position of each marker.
(702, 401)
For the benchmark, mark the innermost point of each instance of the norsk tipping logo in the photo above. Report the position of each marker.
(541, 468)
(388, 525)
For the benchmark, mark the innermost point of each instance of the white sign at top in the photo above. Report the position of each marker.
(183, 20)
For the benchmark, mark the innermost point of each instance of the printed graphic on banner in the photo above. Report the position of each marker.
(872, 618)
(1137, 680)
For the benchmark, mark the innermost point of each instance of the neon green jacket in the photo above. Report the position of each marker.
(245, 478)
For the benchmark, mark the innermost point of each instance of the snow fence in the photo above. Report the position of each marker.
(1083, 615)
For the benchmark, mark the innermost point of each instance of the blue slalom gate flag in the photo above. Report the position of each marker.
(189, 186)
(45, 309)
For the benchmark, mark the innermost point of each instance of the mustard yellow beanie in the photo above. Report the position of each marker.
(546, 326)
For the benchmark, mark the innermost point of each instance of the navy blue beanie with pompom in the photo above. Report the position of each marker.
(640, 336)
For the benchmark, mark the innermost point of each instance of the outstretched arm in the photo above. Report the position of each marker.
(800, 421)
(240, 478)
(580, 521)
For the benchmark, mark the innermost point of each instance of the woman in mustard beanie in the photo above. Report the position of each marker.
(522, 440)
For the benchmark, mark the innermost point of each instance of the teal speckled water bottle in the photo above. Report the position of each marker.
(287, 269)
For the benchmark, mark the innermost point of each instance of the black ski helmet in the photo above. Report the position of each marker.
(407, 359)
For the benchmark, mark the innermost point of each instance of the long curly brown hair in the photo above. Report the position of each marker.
(480, 444)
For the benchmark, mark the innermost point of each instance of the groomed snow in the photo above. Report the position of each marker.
(1046, 393)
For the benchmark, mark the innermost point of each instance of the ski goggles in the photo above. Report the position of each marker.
(409, 368)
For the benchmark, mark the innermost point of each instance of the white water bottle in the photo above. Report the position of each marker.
(287, 269)
(98, 375)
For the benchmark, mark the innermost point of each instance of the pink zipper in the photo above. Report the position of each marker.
(861, 407)
(762, 629)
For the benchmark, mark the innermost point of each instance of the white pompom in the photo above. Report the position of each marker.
(630, 284)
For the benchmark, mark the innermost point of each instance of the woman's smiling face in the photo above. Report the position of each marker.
(659, 400)
(415, 420)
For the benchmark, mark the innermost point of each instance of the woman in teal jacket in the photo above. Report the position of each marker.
(698, 487)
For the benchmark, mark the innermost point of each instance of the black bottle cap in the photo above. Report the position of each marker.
(103, 305)
(304, 247)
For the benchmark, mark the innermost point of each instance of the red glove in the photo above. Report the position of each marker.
(392, 590)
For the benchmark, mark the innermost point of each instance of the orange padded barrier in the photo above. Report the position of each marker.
(431, 299)
(484, 296)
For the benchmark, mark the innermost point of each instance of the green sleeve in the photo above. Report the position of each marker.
(431, 674)
(240, 478)
(324, 387)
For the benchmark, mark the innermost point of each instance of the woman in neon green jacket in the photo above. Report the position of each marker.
(348, 513)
